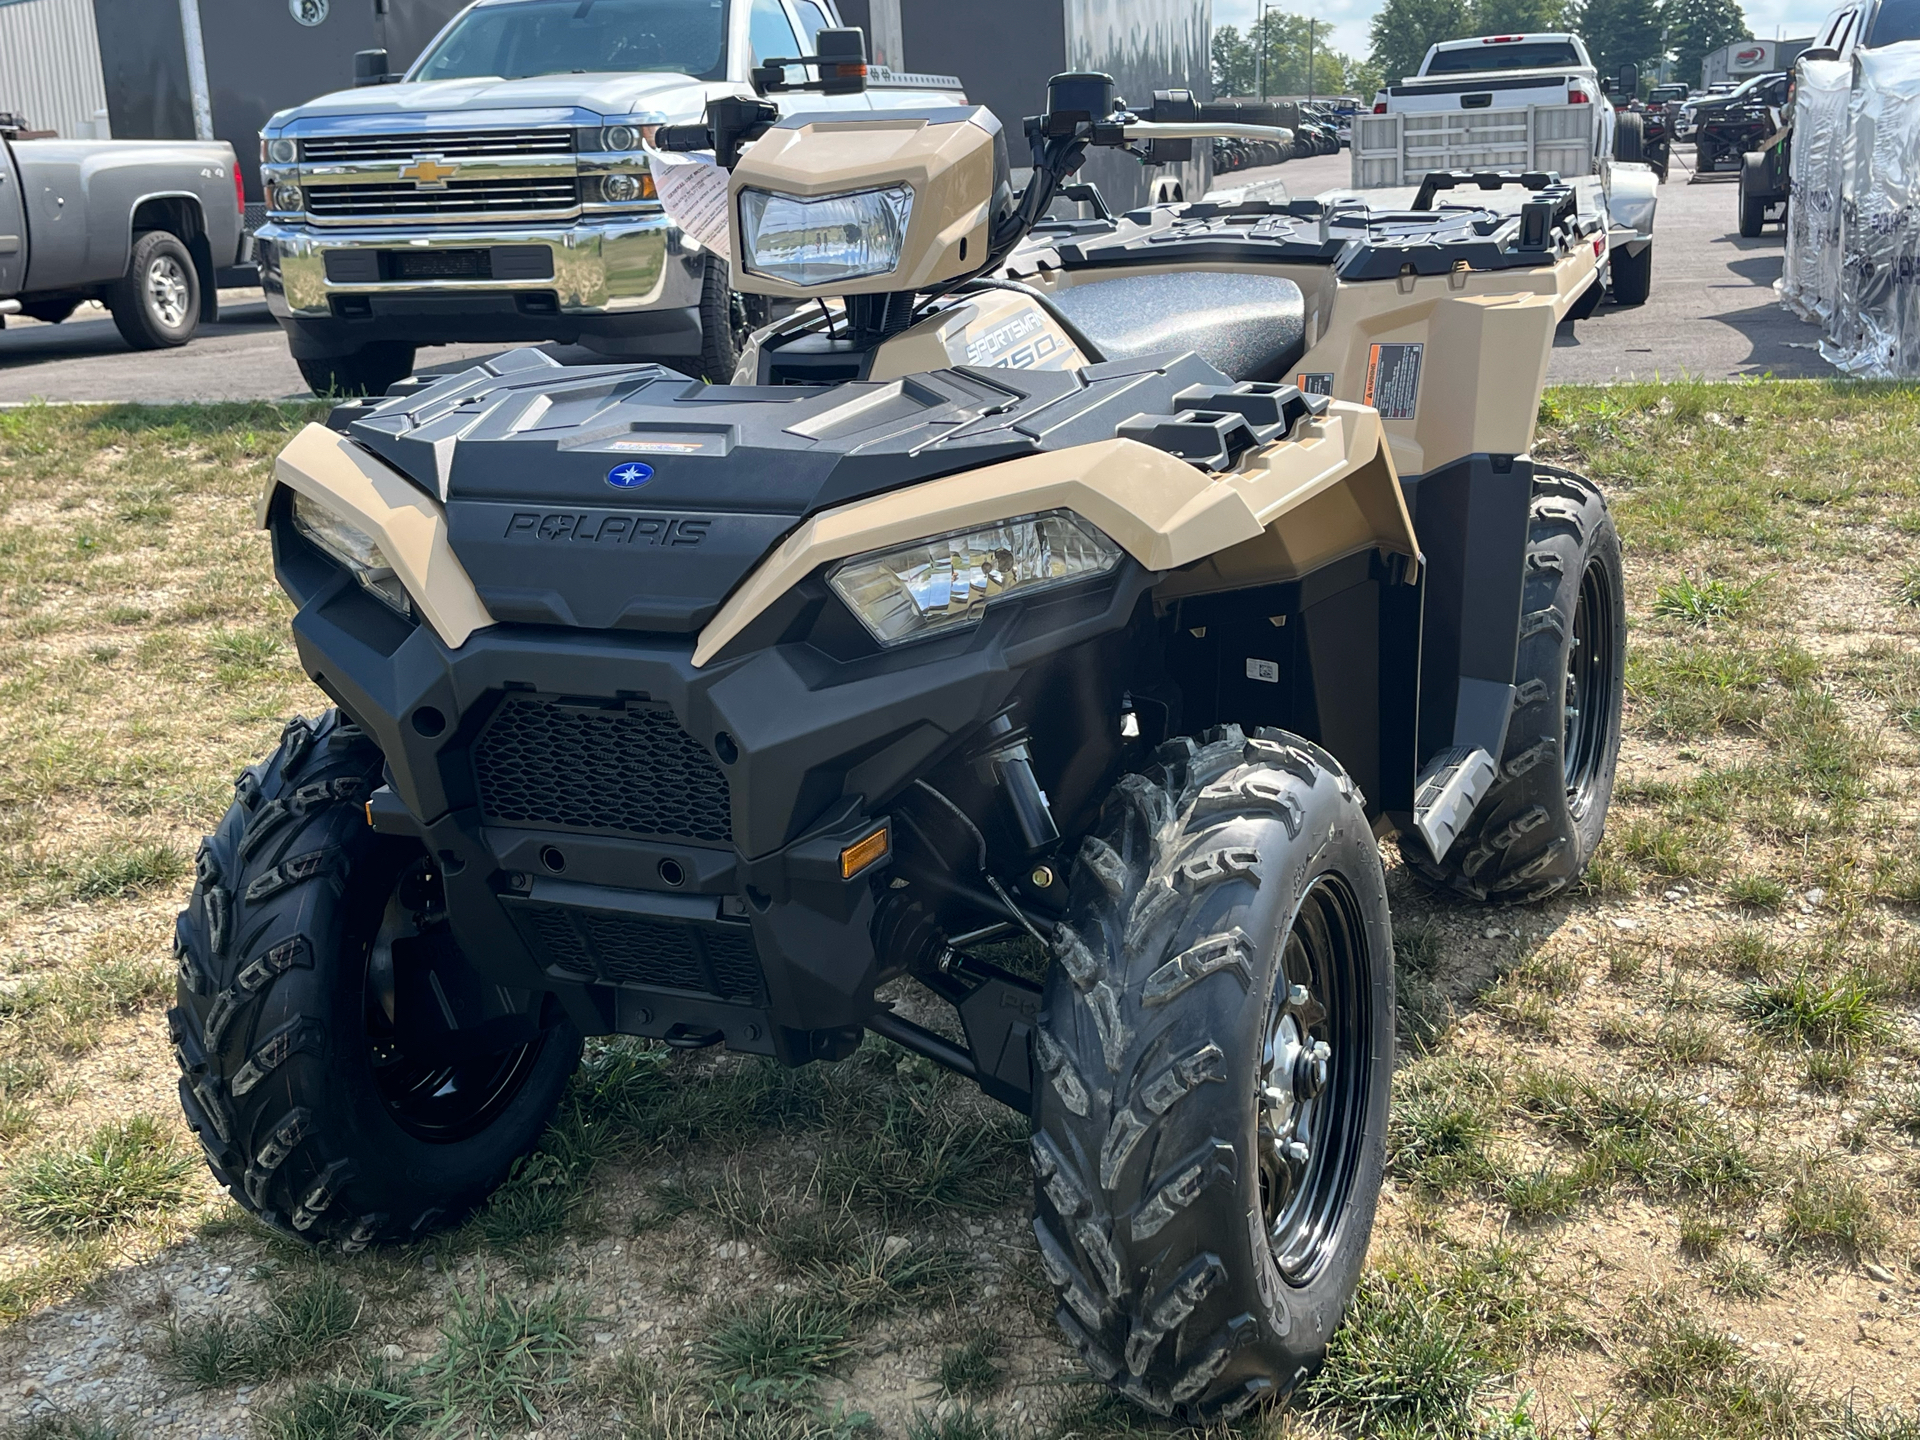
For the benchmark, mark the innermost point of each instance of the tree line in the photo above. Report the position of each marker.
(1617, 33)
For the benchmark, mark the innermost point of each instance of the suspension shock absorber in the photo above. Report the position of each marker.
(1006, 760)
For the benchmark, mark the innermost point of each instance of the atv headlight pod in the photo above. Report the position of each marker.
(939, 584)
(824, 239)
(352, 547)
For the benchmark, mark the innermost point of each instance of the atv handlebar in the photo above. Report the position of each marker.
(1205, 130)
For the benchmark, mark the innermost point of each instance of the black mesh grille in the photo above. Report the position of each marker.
(634, 771)
(625, 949)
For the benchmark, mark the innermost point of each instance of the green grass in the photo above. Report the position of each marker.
(1704, 602)
(1694, 1381)
(1444, 1117)
(1807, 1009)
(1907, 592)
(972, 1370)
(299, 1327)
(1761, 892)
(339, 1408)
(500, 1358)
(777, 1338)
(118, 868)
(124, 1172)
(1831, 1212)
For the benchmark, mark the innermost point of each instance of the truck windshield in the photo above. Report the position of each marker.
(1896, 20)
(558, 37)
(1518, 55)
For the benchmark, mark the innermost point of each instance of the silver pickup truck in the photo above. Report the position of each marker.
(143, 226)
(499, 190)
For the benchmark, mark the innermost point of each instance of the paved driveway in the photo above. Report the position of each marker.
(1712, 313)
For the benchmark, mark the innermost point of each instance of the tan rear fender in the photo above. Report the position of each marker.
(1288, 508)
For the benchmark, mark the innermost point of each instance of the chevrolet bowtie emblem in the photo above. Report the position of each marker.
(429, 172)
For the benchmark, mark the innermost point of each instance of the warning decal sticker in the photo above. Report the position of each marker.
(1393, 380)
(1314, 382)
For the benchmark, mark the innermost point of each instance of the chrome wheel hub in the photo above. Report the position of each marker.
(1294, 1068)
(168, 290)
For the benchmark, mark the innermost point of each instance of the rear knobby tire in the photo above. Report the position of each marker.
(1753, 204)
(1629, 137)
(274, 1027)
(1535, 831)
(1227, 914)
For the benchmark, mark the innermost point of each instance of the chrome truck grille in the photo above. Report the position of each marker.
(387, 149)
(441, 176)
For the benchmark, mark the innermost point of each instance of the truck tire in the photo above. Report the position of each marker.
(293, 1037)
(1753, 200)
(725, 324)
(1212, 1060)
(156, 304)
(1629, 137)
(1630, 277)
(1535, 831)
(370, 370)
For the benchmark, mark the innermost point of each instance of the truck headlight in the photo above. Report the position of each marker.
(286, 197)
(282, 151)
(947, 581)
(819, 240)
(358, 551)
(620, 137)
(620, 188)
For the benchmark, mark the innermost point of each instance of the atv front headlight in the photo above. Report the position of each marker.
(352, 547)
(939, 584)
(821, 240)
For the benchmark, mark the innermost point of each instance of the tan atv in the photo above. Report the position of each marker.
(1115, 582)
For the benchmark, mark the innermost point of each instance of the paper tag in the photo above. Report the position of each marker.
(693, 191)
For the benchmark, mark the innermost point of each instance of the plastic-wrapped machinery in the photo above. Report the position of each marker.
(1874, 329)
(1810, 281)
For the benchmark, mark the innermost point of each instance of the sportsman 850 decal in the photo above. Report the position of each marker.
(1022, 343)
(603, 527)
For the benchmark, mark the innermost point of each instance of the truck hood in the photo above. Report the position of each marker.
(674, 97)
(629, 497)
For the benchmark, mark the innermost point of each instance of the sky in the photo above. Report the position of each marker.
(1349, 18)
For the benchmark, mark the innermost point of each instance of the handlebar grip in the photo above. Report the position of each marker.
(683, 137)
(1246, 112)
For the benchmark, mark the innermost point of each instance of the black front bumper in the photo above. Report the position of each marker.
(753, 773)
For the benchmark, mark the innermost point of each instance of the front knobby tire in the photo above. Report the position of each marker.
(1535, 831)
(1213, 1059)
(304, 1080)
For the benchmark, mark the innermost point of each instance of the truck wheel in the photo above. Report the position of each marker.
(1213, 1056)
(370, 370)
(1535, 831)
(725, 324)
(156, 304)
(1629, 137)
(1753, 205)
(331, 1097)
(1630, 277)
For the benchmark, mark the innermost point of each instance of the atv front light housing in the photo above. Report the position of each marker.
(939, 584)
(824, 239)
(358, 551)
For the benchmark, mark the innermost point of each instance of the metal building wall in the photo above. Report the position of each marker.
(1146, 45)
(50, 67)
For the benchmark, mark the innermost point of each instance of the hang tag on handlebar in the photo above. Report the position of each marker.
(693, 192)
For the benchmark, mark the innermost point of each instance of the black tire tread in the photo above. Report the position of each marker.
(1137, 1175)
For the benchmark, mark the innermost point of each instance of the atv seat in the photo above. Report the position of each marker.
(1249, 327)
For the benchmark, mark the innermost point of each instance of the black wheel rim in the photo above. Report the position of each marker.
(1589, 688)
(1315, 1069)
(436, 1098)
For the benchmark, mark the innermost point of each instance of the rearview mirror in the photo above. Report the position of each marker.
(1630, 80)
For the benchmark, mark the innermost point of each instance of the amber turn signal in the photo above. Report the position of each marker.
(862, 853)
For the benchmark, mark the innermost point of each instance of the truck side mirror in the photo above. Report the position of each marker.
(369, 68)
(1630, 80)
(843, 60)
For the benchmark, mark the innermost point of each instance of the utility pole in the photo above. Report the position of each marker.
(1309, 57)
(1260, 53)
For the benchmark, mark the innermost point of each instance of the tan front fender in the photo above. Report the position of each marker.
(1327, 492)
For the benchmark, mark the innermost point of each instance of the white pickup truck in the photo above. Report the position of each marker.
(1517, 104)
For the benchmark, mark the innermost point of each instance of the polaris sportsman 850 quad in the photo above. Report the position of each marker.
(1118, 582)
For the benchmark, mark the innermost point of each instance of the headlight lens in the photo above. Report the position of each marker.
(352, 547)
(823, 239)
(282, 151)
(619, 137)
(948, 581)
(286, 197)
(621, 188)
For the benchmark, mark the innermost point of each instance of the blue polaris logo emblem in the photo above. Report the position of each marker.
(629, 475)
